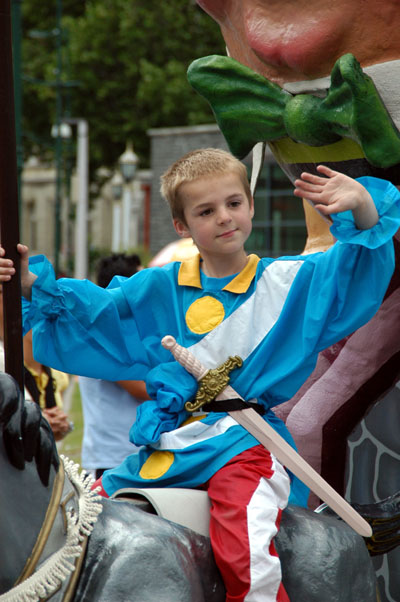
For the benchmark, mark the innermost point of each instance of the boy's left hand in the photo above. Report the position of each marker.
(336, 193)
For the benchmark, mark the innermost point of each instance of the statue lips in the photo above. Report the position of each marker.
(289, 40)
(298, 46)
(265, 35)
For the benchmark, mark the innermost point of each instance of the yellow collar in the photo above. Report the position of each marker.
(189, 275)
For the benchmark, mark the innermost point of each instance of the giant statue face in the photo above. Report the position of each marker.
(291, 40)
(331, 92)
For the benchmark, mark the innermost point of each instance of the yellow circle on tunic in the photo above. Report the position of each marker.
(157, 465)
(204, 315)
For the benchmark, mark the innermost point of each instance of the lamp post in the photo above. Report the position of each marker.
(81, 224)
(58, 33)
(62, 131)
(117, 184)
(128, 163)
(17, 47)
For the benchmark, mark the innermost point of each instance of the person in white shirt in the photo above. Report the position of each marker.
(109, 408)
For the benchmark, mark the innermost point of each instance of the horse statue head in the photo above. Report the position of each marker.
(27, 451)
(47, 510)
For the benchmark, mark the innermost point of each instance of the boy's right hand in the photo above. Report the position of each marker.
(7, 270)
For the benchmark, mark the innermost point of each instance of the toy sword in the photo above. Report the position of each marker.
(267, 436)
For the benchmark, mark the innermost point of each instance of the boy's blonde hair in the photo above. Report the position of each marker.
(200, 163)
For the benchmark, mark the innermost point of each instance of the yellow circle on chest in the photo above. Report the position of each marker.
(204, 315)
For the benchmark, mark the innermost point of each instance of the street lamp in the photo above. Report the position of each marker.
(128, 163)
(64, 130)
(116, 185)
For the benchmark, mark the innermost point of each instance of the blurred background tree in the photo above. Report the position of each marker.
(123, 69)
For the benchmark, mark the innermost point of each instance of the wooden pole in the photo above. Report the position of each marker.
(9, 220)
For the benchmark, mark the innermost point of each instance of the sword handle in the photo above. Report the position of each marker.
(184, 357)
(193, 365)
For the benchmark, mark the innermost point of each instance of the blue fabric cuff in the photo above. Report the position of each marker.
(387, 201)
(44, 285)
(170, 385)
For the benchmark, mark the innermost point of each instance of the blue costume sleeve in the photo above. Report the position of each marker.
(386, 198)
(81, 328)
(171, 385)
(333, 294)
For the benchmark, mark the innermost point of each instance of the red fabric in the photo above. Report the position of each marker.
(98, 483)
(230, 491)
(228, 521)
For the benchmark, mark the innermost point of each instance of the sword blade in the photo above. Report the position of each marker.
(288, 457)
(274, 443)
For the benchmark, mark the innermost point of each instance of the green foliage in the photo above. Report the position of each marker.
(130, 59)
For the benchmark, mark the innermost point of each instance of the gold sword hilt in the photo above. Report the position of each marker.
(212, 381)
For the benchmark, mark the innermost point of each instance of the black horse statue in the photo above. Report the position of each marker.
(60, 541)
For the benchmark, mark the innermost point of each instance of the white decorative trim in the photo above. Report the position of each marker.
(47, 579)
(192, 434)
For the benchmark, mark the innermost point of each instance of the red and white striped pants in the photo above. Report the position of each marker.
(247, 497)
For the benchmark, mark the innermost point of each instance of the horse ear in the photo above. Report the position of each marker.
(46, 453)
(31, 420)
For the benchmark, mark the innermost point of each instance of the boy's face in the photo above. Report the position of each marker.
(217, 213)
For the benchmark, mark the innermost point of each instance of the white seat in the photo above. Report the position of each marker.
(187, 507)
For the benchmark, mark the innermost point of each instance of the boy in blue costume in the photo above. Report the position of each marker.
(276, 314)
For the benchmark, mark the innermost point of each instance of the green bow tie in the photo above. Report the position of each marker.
(250, 109)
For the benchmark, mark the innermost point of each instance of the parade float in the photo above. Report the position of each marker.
(61, 542)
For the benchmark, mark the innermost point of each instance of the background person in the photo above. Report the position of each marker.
(46, 387)
(109, 408)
